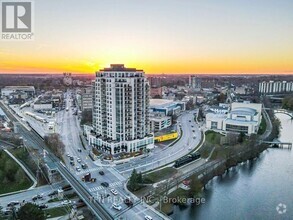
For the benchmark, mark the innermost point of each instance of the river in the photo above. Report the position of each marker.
(252, 190)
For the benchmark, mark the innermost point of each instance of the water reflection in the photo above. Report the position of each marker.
(251, 190)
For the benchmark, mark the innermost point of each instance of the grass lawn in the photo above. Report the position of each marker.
(23, 155)
(162, 174)
(179, 193)
(56, 212)
(12, 176)
(213, 137)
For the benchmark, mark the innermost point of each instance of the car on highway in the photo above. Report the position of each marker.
(40, 196)
(114, 191)
(13, 203)
(78, 169)
(116, 206)
(101, 172)
(105, 184)
(128, 202)
(66, 202)
(147, 217)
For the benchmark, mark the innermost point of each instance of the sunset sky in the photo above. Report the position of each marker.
(158, 36)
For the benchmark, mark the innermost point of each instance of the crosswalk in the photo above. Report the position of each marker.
(94, 189)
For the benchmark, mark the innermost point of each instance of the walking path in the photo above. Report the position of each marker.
(25, 170)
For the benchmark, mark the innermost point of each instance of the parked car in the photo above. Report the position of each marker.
(79, 149)
(78, 160)
(78, 169)
(105, 184)
(43, 206)
(114, 191)
(83, 166)
(116, 206)
(101, 172)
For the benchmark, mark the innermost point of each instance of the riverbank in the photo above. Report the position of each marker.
(198, 182)
(250, 190)
(232, 149)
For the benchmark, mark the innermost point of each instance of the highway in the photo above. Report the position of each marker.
(34, 139)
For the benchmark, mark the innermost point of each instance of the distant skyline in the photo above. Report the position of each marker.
(158, 36)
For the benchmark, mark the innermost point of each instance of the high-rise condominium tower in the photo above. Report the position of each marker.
(121, 110)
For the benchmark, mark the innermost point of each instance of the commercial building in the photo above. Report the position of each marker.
(67, 79)
(167, 107)
(166, 136)
(160, 122)
(243, 117)
(272, 87)
(43, 105)
(8, 90)
(121, 111)
(86, 98)
(195, 82)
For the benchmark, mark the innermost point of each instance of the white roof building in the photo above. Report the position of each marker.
(244, 117)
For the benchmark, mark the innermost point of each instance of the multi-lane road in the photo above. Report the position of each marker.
(67, 125)
(68, 128)
(190, 138)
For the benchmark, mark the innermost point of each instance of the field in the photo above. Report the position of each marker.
(12, 176)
